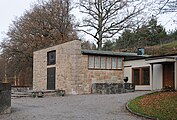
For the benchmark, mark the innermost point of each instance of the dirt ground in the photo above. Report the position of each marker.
(73, 107)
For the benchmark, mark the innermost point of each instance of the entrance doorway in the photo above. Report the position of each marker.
(168, 75)
(51, 78)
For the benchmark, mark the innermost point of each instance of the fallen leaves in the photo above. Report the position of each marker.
(162, 105)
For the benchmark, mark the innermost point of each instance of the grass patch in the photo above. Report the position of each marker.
(170, 45)
(169, 48)
(161, 105)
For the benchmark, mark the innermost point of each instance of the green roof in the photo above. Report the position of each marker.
(110, 53)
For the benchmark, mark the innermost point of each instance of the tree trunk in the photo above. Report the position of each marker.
(100, 27)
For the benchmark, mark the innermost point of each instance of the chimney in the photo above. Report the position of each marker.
(140, 51)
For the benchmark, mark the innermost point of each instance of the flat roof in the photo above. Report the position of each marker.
(110, 53)
(157, 60)
(148, 58)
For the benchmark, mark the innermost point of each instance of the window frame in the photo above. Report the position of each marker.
(140, 75)
(48, 57)
(106, 62)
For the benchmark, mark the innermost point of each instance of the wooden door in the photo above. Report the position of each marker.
(51, 78)
(168, 75)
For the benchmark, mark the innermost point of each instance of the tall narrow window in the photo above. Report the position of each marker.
(91, 61)
(103, 62)
(97, 62)
(136, 76)
(114, 62)
(119, 63)
(108, 63)
(51, 57)
(51, 78)
(145, 76)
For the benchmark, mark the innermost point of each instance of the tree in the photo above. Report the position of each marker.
(106, 18)
(156, 33)
(109, 45)
(168, 6)
(46, 24)
(147, 35)
(87, 45)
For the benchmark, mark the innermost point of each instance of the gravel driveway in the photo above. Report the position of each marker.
(75, 107)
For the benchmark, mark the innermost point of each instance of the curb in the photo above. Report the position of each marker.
(138, 114)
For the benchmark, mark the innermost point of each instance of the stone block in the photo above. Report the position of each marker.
(5, 98)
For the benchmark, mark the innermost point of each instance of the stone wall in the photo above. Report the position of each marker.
(68, 56)
(112, 88)
(88, 77)
(72, 73)
(5, 98)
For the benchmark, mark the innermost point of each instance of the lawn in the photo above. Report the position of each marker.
(161, 105)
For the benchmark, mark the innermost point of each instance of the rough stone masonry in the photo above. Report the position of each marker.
(5, 98)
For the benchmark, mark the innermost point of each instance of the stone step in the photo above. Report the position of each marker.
(20, 95)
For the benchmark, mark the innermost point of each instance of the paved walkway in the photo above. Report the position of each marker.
(77, 107)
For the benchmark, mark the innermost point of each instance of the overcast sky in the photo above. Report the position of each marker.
(10, 9)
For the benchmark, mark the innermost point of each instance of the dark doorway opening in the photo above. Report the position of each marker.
(51, 78)
(168, 75)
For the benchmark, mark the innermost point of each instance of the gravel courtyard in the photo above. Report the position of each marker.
(74, 107)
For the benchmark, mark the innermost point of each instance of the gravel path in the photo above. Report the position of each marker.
(76, 107)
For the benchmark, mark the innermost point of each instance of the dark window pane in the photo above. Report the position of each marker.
(51, 57)
(136, 75)
(51, 78)
(145, 76)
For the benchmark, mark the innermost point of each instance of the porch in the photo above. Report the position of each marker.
(163, 73)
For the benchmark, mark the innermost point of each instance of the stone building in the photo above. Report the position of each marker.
(67, 67)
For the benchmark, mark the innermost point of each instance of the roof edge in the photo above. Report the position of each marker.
(110, 53)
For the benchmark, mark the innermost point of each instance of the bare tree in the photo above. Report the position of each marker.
(168, 6)
(46, 24)
(104, 19)
(87, 45)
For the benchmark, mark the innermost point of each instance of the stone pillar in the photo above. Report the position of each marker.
(5, 98)
(151, 76)
(175, 74)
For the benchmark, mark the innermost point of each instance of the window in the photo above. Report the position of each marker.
(120, 63)
(103, 62)
(97, 62)
(108, 63)
(141, 76)
(114, 62)
(51, 57)
(136, 76)
(91, 61)
(145, 75)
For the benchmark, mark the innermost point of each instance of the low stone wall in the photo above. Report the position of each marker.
(5, 98)
(112, 88)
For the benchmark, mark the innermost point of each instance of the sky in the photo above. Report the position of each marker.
(10, 9)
